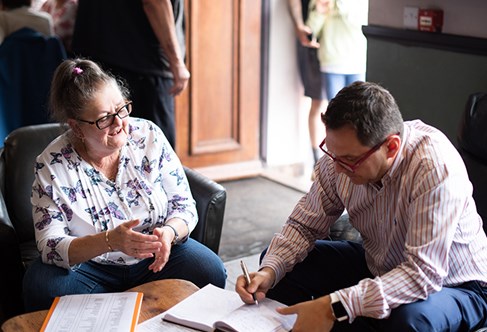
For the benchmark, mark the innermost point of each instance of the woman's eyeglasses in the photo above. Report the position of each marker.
(107, 120)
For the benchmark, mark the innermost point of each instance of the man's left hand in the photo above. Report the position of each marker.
(313, 316)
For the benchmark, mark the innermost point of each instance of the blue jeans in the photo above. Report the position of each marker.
(190, 261)
(335, 82)
(333, 265)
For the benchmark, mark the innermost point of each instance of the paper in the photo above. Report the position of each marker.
(94, 312)
(157, 324)
(212, 307)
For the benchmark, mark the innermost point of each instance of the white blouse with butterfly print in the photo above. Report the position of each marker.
(72, 199)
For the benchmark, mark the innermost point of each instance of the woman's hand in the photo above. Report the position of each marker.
(165, 236)
(133, 243)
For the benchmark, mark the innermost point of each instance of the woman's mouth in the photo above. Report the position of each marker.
(116, 132)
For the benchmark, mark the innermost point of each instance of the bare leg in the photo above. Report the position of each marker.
(315, 125)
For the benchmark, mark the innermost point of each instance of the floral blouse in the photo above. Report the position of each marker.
(72, 199)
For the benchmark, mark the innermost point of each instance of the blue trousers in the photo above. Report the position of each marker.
(335, 82)
(190, 261)
(334, 265)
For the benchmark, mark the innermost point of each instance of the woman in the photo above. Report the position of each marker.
(337, 25)
(112, 207)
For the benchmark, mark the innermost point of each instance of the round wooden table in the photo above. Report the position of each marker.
(159, 296)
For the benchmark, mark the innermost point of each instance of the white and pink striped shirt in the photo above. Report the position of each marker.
(421, 229)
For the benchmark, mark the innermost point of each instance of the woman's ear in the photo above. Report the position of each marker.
(74, 125)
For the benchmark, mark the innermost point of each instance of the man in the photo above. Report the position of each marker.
(141, 41)
(423, 262)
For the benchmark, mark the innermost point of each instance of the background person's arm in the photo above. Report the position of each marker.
(303, 32)
(161, 18)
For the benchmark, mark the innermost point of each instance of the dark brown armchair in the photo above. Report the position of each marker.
(17, 242)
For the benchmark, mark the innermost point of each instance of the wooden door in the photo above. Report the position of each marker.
(217, 116)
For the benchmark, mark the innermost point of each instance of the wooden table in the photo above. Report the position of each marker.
(158, 297)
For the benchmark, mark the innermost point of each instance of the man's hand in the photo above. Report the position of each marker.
(260, 283)
(313, 316)
(181, 77)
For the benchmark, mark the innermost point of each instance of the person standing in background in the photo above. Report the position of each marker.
(143, 43)
(337, 24)
(309, 69)
(18, 14)
(63, 14)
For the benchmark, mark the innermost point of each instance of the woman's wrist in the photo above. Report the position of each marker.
(175, 239)
(107, 240)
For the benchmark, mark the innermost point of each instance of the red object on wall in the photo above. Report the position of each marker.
(430, 20)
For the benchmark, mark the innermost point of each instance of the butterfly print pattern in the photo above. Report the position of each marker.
(73, 191)
(53, 255)
(146, 166)
(67, 211)
(94, 175)
(41, 191)
(38, 167)
(67, 153)
(71, 199)
(55, 158)
(46, 218)
(177, 174)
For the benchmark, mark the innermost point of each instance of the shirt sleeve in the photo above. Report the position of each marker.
(310, 220)
(50, 220)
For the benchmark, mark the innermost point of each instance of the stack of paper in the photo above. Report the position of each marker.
(94, 312)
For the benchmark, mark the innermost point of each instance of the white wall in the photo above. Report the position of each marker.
(287, 136)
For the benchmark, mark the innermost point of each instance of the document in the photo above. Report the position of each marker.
(158, 324)
(108, 312)
(212, 308)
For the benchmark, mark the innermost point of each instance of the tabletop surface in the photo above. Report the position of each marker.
(159, 296)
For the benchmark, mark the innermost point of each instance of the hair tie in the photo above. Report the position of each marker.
(77, 71)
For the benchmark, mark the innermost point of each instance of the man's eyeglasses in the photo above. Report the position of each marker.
(107, 120)
(351, 168)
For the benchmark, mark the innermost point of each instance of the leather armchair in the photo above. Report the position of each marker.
(472, 145)
(17, 241)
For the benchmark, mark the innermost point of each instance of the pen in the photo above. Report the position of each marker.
(247, 278)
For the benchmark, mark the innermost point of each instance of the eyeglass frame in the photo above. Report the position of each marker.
(348, 167)
(127, 106)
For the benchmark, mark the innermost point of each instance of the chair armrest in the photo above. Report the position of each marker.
(210, 200)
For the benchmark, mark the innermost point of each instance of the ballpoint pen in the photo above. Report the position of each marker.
(247, 278)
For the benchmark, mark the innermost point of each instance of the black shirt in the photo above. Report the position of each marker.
(118, 33)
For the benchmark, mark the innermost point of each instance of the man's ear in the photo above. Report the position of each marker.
(393, 144)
